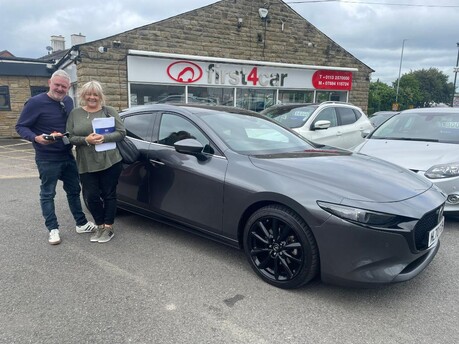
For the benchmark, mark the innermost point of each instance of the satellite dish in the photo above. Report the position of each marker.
(49, 48)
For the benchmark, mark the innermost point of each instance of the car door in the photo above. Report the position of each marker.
(181, 186)
(133, 182)
(330, 136)
(350, 127)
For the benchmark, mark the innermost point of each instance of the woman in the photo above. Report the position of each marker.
(99, 162)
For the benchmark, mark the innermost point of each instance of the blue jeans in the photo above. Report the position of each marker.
(66, 171)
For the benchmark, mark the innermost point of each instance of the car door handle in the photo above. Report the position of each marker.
(157, 162)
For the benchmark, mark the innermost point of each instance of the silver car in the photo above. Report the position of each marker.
(426, 141)
(298, 210)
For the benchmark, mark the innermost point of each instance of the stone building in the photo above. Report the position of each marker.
(248, 53)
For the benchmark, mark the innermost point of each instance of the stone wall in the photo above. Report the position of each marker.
(19, 88)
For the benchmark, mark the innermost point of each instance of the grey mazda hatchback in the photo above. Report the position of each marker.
(297, 209)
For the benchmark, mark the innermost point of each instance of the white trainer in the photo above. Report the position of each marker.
(89, 227)
(54, 237)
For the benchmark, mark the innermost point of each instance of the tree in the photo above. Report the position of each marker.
(434, 86)
(421, 88)
(381, 97)
(410, 94)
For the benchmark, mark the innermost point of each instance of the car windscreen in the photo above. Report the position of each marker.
(294, 118)
(422, 126)
(251, 135)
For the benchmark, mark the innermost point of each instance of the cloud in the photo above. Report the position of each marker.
(372, 33)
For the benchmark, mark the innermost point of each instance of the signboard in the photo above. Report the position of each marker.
(332, 80)
(208, 73)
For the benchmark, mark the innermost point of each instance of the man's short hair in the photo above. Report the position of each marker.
(62, 73)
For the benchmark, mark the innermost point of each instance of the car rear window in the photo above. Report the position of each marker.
(347, 116)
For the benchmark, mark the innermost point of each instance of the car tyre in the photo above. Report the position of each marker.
(280, 247)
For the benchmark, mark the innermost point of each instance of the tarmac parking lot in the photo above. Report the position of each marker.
(17, 159)
(155, 284)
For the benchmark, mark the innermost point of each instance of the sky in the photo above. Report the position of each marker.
(374, 31)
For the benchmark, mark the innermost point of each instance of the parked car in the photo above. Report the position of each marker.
(298, 210)
(426, 141)
(380, 117)
(332, 123)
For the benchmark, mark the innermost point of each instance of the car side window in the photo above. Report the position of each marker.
(328, 114)
(173, 128)
(358, 114)
(346, 116)
(139, 126)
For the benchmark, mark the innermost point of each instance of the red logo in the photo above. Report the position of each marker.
(184, 72)
(332, 80)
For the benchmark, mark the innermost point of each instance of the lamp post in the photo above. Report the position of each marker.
(399, 72)
(456, 70)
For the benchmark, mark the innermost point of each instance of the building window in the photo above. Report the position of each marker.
(148, 94)
(323, 96)
(255, 99)
(35, 90)
(288, 96)
(5, 98)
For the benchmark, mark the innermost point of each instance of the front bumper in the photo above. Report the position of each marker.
(355, 256)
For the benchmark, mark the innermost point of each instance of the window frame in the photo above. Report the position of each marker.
(5, 93)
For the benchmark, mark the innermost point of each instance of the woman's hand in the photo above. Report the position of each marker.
(95, 139)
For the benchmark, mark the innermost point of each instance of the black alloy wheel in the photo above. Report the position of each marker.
(280, 247)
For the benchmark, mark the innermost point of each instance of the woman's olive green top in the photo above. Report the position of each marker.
(79, 126)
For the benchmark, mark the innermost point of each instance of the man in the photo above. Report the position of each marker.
(42, 121)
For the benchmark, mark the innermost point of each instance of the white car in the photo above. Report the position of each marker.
(331, 123)
(426, 141)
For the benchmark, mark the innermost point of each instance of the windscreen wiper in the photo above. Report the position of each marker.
(407, 139)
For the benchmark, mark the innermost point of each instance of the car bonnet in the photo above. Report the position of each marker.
(414, 155)
(349, 176)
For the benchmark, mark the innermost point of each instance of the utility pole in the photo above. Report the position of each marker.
(456, 70)
(399, 72)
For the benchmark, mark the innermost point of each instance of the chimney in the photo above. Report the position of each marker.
(57, 43)
(77, 39)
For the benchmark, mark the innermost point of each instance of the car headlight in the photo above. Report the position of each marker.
(443, 171)
(367, 217)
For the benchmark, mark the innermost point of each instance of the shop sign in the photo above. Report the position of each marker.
(202, 73)
(185, 72)
(332, 80)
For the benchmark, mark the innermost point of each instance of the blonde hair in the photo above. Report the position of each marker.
(91, 87)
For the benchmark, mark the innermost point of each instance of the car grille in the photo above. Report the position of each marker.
(424, 225)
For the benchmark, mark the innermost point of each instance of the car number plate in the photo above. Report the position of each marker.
(435, 233)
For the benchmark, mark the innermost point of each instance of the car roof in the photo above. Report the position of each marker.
(432, 110)
(378, 113)
(280, 105)
(295, 105)
(193, 108)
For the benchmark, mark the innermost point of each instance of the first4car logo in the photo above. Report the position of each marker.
(185, 72)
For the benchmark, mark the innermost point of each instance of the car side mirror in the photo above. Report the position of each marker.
(321, 125)
(190, 147)
(365, 133)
